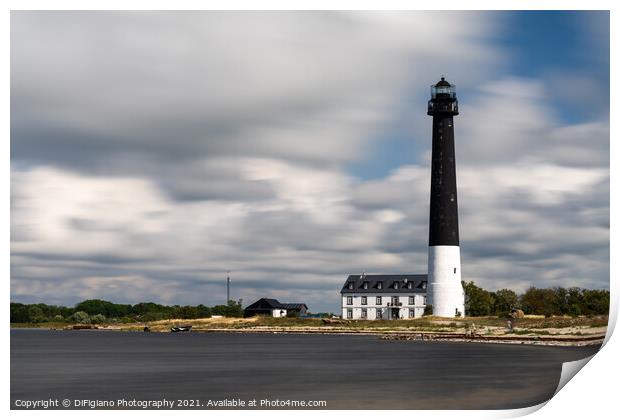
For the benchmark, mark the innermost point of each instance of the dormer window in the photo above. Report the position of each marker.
(410, 285)
(351, 285)
(365, 285)
(380, 285)
(424, 285)
(395, 285)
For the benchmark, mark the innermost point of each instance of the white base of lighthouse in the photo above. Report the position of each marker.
(445, 291)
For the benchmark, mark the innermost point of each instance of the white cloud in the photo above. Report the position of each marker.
(170, 87)
(516, 224)
(512, 120)
(152, 152)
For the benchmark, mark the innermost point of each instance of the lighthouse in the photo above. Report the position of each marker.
(445, 291)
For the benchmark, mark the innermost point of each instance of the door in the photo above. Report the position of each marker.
(394, 313)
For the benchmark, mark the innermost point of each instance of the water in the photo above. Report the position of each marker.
(352, 372)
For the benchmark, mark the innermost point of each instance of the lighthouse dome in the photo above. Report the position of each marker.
(443, 98)
(443, 82)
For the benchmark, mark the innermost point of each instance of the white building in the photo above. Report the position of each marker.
(389, 296)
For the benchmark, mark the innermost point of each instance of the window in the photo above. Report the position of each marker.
(395, 285)
(364, 313)
(351, 285)
(425, 300)
(410, 285)
(379, 314)
(365, 285)
(379, 300)
(349, 300)
(349, 313)
(454, 270)
(411, 313)
(394, 300)
(364, 300)
(380, 285)
(411, 300)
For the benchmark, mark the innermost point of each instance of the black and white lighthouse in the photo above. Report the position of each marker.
(445, 291)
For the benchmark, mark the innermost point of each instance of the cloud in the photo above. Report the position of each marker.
(306, 236)
(153, 151)
(512, 119)
(152, 93)
(531, 224)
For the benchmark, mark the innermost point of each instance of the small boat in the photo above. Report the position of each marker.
(183, 328)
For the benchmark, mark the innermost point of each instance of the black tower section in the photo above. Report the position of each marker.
(444, 219)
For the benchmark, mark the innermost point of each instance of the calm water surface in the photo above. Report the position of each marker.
(352, 372)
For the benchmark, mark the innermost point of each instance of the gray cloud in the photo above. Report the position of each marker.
(151, 152)
(116, 92)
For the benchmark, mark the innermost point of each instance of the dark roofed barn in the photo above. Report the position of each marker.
(273, 307)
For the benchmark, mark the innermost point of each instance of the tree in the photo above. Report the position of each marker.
(478, 302)
(81, 317)
(108, 309)
(560, 301)
(595, 302)
(203, 311)
(186, 312)
(97, 319)
(575, 301)
(35, 314)
(539, 301)
(504, 301)
(149, 308)
(19, 312)
(232, 310)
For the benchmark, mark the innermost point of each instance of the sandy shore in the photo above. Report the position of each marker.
(558, 332)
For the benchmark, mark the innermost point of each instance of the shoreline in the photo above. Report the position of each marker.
(385, 335)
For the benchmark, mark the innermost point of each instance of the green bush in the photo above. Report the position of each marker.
(232, 310)
(97, 319)
(478, 302)
(36, 315)
(81, 317)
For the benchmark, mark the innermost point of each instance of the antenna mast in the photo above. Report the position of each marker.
(227, 287)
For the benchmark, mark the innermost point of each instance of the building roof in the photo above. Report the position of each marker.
(294, 306)
(266, 303)
(385, 283)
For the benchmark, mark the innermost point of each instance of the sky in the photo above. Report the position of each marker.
(151, 152)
